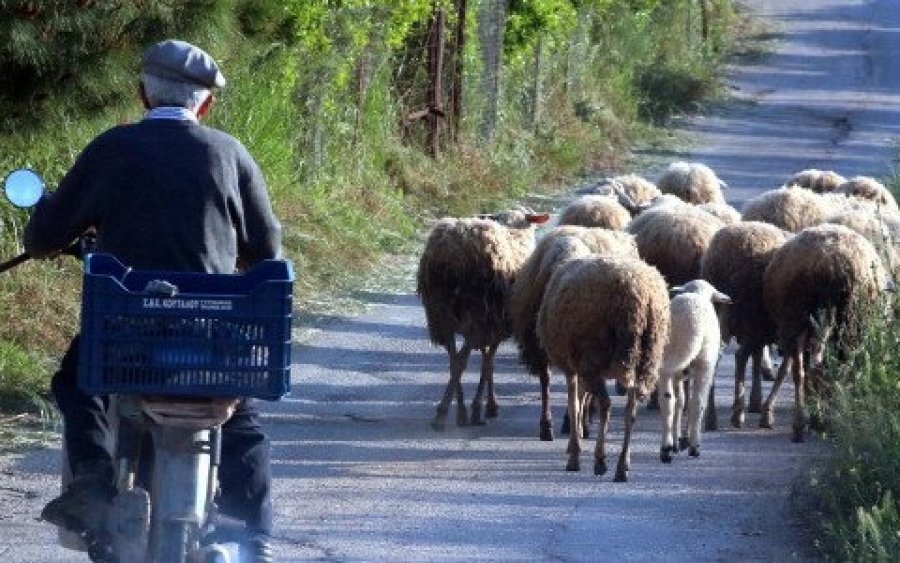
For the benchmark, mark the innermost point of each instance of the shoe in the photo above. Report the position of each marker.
(83, 506)
(260, 549)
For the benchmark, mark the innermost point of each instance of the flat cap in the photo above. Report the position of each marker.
(179, 60)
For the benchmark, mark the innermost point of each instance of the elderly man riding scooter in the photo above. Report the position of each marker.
(164, 193)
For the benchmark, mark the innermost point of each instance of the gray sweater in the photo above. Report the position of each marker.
(162, 195)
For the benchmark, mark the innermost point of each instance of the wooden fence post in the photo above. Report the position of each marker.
(435, 96)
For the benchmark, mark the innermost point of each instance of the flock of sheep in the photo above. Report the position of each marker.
(644, 284)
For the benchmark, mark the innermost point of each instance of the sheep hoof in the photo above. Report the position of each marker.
(621, 390)
(683, 444)
(798, 437)
(768, 374)
(665, 454)
(711, 424)
(755, 405)
(462, 418)
(600, 467)
(564, 429)
(477, 420)
(546, 431)
(621, 475)
(767, 419)
(573, 465)
(653, 403)
(694, 451)
(491, 410)
(737, 419)
(586, 432)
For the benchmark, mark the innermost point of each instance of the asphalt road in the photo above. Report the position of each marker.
(361, 476)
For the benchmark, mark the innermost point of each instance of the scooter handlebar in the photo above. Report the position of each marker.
(13, 262)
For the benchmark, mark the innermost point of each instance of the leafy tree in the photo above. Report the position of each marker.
(86, 48)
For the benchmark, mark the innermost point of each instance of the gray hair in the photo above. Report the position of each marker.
(167, 92)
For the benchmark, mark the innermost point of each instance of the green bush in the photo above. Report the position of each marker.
(859, 484)
(21, 373)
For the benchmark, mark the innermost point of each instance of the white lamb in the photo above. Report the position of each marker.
(690, 355)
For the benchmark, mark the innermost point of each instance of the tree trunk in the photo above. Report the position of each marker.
(456, 91)
(492, 22)
(435, 101)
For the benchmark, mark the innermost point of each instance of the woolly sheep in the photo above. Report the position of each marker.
(724, 212)
(637, 189)
(595, 211)
(605, 318)
(875, 226)
(693, 182)
(665, 200)
(691, 354)
(819, 181)
(817, 288)
(734, 263)
(673, 238)
(465, 274)
(868, 188)
(555, 247)
(789, 208)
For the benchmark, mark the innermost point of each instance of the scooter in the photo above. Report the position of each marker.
(176, 352)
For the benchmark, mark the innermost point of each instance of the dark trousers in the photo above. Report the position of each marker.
(245, 476)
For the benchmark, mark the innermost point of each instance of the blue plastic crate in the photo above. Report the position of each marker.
(220, 335)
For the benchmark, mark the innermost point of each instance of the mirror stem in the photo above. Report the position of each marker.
(12, 263)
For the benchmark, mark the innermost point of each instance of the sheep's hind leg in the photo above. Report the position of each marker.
(587, 410)
(667, 415)
(711, 418)
(799, 403)
(603, 403)
(766, 365)
(492, 409)
(574, 447)
(697, 404)
(486, 381)
(767, 418)
(653, 403)
(625, 455)
(740, 399)
(681, 392)
(546, 416)
(758, 368)
(458, 361)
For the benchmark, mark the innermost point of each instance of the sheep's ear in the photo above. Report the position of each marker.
(624, 199)
(723, 185)
(719, 297)
(537, 218)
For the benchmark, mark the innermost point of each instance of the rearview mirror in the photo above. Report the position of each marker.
(23, 187)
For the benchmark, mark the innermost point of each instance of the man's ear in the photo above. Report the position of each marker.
(203, 110)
